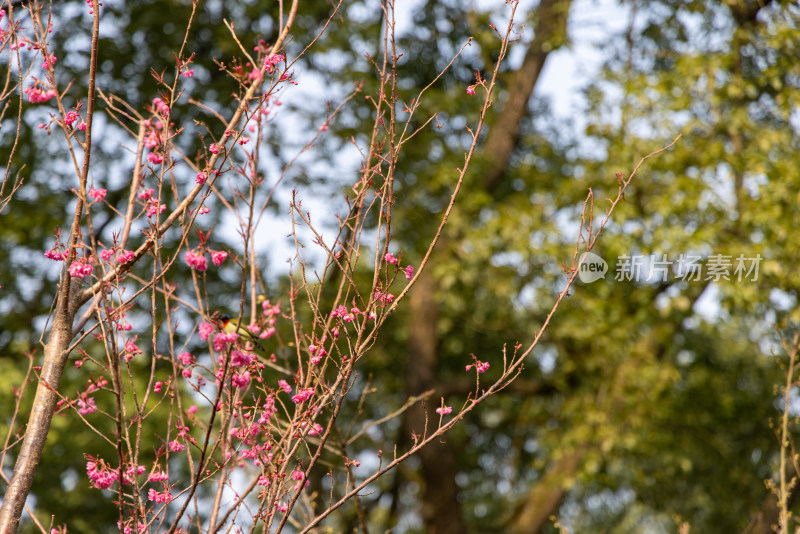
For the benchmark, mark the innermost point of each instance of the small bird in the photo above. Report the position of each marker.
(231, 325)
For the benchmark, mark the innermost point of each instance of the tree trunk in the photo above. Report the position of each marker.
(545, 497)
(441, 511)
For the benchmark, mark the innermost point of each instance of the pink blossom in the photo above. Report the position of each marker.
(153, 208)
(195, 260)
(131, 350)
(157, 387)
(480, 367)
(86, 406)
(201, 178)
(271, 61)
(125, 256)
(218, 258)
(241, 359)
(101, 476)
(157, 476)
(471, 90)
(146, 193)
(71, 117)
(49, 62)
(303, 395)
(188, 73)
(163, 497)
(409, 272)
(37, 96)
(161, 107)
(444, 410)
(176, 446)
(284, 386)
(80, 269)
(222, 340)
(240, 380)
(97, 194)
(263, 481)
(152, 157)
(267, 333)
(391, 259)
(270, 309)
(185, 358)
(297, 475)
(106, 254)
(205, 330)
(55, 255)
(213, 148)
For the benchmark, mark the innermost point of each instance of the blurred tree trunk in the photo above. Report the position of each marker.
(545, 497)
(440, 508)
(439, 502)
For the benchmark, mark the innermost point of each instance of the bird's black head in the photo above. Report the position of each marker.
(224, 317)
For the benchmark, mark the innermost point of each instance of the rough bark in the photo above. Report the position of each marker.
(55, 355)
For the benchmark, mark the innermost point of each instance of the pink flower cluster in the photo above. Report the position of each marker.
(131, 349)
(162, 497)
(223, 339)
(347, 316)
(283, 385)
(303, 395)
(317, 351)
(71, 117)
(80, 268)
(391, 259)
(141, 527)
(195, 260)
(218, 257)
(37, 96)
(161, 107)
(384, 298)
(271, 313)
(100, 474)
(148, 195)
(205, 330)
(56, 255)
(48, 61)
(241, 359)
(271, 61)
(480, 366)
(157, 476)
(86, 405)
(97, 194)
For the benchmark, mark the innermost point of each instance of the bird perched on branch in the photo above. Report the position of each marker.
(230, 325)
